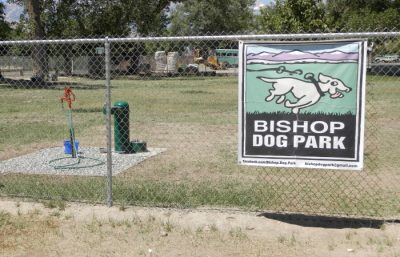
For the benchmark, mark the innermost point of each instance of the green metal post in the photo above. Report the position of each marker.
(121, 127)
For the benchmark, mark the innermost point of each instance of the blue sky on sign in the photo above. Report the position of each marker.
(345, 47)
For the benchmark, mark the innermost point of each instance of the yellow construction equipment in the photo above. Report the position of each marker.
(211, 61)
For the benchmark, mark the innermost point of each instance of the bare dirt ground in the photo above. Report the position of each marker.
(35, 229)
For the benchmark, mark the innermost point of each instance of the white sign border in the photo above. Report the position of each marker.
(300, 161)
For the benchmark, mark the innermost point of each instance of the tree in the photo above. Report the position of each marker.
(150, 16)
(39, 52)
(197, 17)
(362, 15)
(5, 29)
(36, 30)
(366, 15)
(88, 18)
(291, 16)
(62, 18)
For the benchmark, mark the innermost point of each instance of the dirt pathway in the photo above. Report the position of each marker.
(31, 229)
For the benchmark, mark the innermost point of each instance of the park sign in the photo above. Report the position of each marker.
(301, 104)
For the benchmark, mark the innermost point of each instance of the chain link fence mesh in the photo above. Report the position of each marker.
(174, 137)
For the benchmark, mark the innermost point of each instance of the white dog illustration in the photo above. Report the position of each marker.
(306, 92)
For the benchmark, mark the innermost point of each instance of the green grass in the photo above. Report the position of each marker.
(234, 193)
(196, 120)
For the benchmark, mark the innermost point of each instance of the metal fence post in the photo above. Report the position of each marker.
(108, 121)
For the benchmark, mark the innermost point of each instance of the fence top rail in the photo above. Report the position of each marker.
(199, 38)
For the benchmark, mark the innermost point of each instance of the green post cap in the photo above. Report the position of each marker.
(121, 104)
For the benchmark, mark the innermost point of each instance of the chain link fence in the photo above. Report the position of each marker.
(154, 121)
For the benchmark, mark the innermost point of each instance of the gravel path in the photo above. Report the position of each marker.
(93, 162)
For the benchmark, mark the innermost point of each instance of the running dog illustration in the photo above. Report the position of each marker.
(307, 92)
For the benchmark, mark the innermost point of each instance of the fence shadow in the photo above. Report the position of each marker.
(325, 221)
(29, 84)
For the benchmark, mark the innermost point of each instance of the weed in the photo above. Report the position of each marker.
(145, 227)
(387, 241)
(292, 240)
(35, 212)
(52, 204)
(4, 218)
(50, 223)
(199, 230)
(136, 220)
(281, 239)
(167, 226)
(213, 228)
(94, 226)
(112, 222)
(122, 207)
(19, 224)
(187, 232)
(151, 219)
(371, 241)
(349, 235)
(127, 223)
(238, 233)
(55, 214)
(68, 216)
(118, 223)
(332, 245)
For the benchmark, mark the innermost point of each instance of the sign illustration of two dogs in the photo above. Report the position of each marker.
(301, 104)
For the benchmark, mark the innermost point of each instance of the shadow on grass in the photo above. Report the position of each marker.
(326, 221)
(30, 84)
(88, 110)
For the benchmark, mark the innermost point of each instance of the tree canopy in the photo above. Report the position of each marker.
(362, 15)
(70, 18)
(288, 16)
(88, 18)
(5, 29)
(84, 18)
(196, 17)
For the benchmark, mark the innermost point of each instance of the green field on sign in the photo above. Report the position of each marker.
(256, 89)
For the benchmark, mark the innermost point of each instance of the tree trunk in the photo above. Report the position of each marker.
(39, 52)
